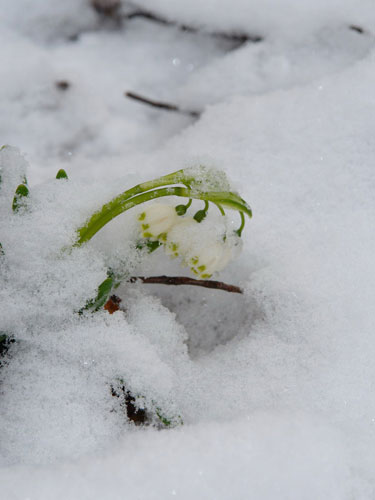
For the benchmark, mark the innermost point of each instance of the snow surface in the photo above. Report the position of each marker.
(275, 387)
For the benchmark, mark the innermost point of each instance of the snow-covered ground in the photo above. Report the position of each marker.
(275, 387)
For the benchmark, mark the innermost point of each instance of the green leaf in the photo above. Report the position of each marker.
(153, 245)
(61, 174)
(150, 245)
(171, 421)
(104, 292)
(21, 193)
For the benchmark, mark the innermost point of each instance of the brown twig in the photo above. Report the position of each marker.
(183, 280)
(238, 38)
(149, 16)
(161, 105)
(357, 28)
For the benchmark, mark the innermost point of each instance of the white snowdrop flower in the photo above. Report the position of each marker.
(209, 259)
(157, 220)
(215, 256)
(179, 238)
(205, 254)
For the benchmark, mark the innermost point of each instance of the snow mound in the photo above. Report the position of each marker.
(275, 386)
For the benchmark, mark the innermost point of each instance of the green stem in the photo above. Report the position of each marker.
(146, 192)
(116, 207)
(189, 203)
(98, 217)
(220, 208)
(240, 229)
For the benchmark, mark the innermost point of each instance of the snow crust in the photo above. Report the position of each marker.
(275, 387)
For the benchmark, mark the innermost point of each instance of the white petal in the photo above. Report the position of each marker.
(156, 220)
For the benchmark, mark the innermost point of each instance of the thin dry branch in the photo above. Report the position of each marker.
(238, 38)
(183, 280)
(357, 28)
(161, 105)
(119, 11)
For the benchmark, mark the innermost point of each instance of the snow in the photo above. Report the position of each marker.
(257, 457)
(275, 386)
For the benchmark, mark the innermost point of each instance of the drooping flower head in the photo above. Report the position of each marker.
(204, 247)
(156, 220)
(170, 227)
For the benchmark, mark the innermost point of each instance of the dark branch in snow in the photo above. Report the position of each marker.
(238, 38)
(183, 280)
(150, 17)
(356, 28)
(62, 84)
(119, 11)
(162, 105)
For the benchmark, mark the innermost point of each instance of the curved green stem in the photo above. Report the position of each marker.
(151, 190)
(189, 203)
(221, 209)
(240, 229)
(117, 207)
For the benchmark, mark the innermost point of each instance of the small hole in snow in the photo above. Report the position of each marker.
(210, 317)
